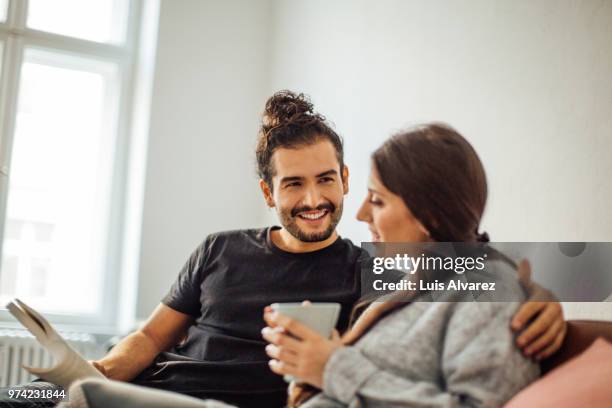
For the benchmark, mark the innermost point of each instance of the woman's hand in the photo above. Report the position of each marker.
(296, 349)
(98, 367)
(545, 334)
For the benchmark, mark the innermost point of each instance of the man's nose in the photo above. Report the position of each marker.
(312, 198)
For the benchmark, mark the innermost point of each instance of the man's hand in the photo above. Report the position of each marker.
(546, 330)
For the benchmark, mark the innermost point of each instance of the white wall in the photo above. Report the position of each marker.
(210, 84)
(527, 82)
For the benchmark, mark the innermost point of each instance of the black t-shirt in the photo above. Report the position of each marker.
(225, 285)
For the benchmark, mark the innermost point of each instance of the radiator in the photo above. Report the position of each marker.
(18, 347)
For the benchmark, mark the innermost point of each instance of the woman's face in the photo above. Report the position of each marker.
(387, 216)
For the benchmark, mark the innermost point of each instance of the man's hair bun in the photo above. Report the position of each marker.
(286, 107)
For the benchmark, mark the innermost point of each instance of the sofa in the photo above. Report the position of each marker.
(578, 375)
(580, 335)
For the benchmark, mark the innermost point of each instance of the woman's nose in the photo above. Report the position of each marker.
(363, 214)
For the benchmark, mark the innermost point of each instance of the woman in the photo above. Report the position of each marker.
(426, 184)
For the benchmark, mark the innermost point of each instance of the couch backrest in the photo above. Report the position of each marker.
(580, 335)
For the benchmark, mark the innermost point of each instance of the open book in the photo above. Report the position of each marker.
(69, 365)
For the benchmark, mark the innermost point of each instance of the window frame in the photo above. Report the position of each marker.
(16, 37)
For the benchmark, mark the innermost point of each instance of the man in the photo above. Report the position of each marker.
(204, 338)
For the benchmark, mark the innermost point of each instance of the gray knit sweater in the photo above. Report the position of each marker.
(431, 355)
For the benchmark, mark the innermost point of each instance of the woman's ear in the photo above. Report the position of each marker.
(267, 193)
(345, 179)
(424, 230)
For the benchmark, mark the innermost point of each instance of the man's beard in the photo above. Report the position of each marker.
(289, 222)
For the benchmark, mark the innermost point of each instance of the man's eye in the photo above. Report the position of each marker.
(326, 179)
(294, 184)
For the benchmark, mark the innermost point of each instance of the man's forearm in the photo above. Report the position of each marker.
(129, 357)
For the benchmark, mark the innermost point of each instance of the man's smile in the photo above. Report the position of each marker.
(313, 215)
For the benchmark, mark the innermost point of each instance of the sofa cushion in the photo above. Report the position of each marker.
(580, 335)
(585, 381)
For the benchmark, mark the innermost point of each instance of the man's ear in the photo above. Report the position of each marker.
(345, 179)
(267, 192)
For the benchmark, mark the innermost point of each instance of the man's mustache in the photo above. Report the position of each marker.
(326, 206)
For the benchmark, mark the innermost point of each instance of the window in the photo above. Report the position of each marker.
(3, 10)
(67, 71)
(95, 20)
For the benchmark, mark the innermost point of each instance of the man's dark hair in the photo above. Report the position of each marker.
(289, 121)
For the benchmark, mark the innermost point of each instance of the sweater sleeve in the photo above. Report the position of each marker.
(480, 364)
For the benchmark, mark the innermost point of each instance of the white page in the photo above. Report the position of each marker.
(69, 365)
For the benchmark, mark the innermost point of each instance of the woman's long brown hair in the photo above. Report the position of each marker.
(440, 178)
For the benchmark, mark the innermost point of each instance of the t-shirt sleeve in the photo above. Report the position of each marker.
(184, 295)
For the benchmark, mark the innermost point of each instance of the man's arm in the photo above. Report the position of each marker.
(164, 329)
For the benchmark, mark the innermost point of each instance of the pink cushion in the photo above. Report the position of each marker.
(585, 381)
